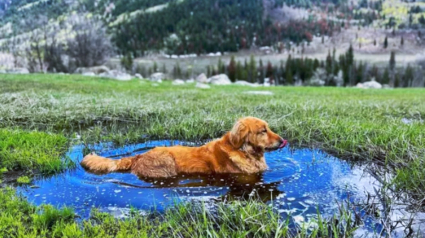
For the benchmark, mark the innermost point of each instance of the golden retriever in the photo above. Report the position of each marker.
(239, 151)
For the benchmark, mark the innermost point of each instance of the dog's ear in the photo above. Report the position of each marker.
(238, 134)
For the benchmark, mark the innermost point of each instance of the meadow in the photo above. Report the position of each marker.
(41, 115)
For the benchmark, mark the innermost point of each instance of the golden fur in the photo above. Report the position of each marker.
(239, 151)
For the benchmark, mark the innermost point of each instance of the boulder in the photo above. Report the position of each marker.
(95, 70)
(190, 81)
(220, 79)
(202, 78)
(202, 85)
(178, 82)
(115, 74)
(90, 74)
(157, 77)
(18, 71)
(139, 76)
(245, 83)
(266, 82)
(369, 84)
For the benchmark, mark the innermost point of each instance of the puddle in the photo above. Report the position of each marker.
(299, 182)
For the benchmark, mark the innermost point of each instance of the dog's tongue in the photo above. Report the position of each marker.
(284, 143)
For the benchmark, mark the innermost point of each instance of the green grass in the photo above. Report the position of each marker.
(33, 151)
(23, 180)
(40, 114)
(234, 219)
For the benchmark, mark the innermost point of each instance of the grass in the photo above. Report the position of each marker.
(24, 180)
(41, 114)
(234, 219)
(32, 151)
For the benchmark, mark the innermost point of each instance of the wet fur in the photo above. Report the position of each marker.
(239, 151)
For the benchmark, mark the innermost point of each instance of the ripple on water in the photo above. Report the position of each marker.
(297, 181)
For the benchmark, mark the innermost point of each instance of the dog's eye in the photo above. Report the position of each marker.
(264, 131)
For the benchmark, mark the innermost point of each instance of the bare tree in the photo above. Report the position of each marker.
(91, 45)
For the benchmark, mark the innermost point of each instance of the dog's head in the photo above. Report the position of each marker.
(254, 135)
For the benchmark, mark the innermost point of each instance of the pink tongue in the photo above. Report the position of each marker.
(284, 143)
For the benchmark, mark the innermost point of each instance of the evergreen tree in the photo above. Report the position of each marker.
(270, 71)
(402, 41)
(289, 78)
(385, 42)
(239, 71)
(231, 69)
(328, 65)
(252, 69)
(209, 71)
(408, 76)
(392, 61)
(164, 69)
(386, 77)
(260, 71)
(220, 66)
(155, 67)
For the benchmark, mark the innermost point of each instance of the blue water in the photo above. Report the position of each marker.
(297, 182)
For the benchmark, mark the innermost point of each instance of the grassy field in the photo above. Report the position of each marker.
(41, 114)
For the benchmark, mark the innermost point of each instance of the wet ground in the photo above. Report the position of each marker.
(298, 182)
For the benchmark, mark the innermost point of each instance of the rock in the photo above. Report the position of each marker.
(90, 74)
(245, 83)
(259, 92)
(190, 81)
(266, 82)
(202, 78)
(369, 84)
(178, 82)
(139, 76)
(202, 85)
(319, 78)
(220, 79)
(115, 74)
(157, 77)
(18, 71)
(386, 86)
(338, 80)
(298, 82)
(96, 70)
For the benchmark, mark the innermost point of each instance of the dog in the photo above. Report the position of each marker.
(240, 150)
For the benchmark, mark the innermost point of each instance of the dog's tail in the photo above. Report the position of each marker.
(98, 164)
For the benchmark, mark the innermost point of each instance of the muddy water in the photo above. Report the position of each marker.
(299, 182)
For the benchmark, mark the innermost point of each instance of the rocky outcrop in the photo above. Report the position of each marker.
(96, 70)
(369, 84)
(245, 83)
(220, 79)
(157, 77)
(178, 82)
(202, 78)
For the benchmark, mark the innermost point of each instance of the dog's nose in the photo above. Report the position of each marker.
(283, 143)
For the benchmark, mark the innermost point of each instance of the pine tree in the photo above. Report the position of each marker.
(288, 71)
(252, 69)
(392, 61)
(209, 71)
(220, 66)
(231, 69)
(239, 71)
(385, 42)
(386, 77)
(155, 67)
(402, 41)
(408, 76)
(260, 72)
(269, 71)
(164, 69)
